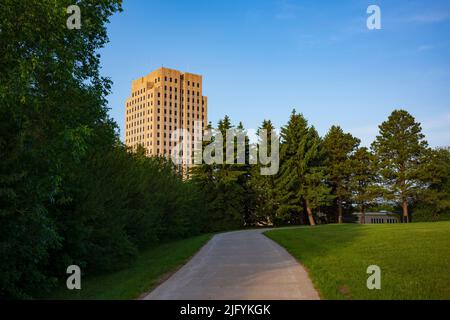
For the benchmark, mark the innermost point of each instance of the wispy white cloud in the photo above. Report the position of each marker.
(426, 47)
(429, 17)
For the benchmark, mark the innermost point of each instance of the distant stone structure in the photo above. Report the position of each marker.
(378, 217)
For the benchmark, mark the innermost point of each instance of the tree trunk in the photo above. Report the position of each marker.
(405, 211)
(339, 211)
(310, 215)
(405, 218)
(363, 214)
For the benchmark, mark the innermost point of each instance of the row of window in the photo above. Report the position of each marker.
(135, 109)
(141, 91)
(140, 116)
(162, 142)
(165, 143)
(132, 103)
(150, 104)
(382, 220)
(196, 135)
(136, 93)
(134, 129)
(140, 107)
(150, 96)
(180, 153)
(175, 80)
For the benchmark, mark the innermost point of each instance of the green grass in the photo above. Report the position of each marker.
(141, 277)
(414, 259)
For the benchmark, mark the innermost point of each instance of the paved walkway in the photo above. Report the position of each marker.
(241, 265)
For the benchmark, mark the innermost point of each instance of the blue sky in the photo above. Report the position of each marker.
(260, 59)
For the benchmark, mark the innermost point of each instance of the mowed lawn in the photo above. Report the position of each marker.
(414, 259)
(141, 277)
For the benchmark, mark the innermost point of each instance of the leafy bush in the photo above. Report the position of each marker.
(70, 192)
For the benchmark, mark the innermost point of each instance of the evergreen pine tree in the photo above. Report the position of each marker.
(434, 198)
(300, 183)
(223, 187)
(400, 148)
(362, 179)
(316, 192)
(263, 186)
(339, 147)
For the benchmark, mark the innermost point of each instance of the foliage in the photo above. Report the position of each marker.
(339, 148)
(70, 193)
(263, 186)
(45, 135)
(400, 149)
(434, 201)
(300, 183)
(223, 186)
(141, 276)
(362, 179)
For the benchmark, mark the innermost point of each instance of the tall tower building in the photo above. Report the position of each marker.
(161, 105)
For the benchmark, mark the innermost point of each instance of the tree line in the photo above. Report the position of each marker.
(326, 179)
(70, 191)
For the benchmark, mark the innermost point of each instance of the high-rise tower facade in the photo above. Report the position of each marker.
(165, 102)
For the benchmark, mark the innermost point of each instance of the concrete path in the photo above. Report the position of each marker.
(241, 265)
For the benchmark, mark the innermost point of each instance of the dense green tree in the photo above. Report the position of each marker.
(70, 192)
(362, 179)
(400, 149)
(433, 202)
(223, 185)
(339, 147)
(316, 193)
(249, 202)
(300, 183)
(263, 186)
(52, 107)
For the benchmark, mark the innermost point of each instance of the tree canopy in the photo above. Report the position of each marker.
(400, 149)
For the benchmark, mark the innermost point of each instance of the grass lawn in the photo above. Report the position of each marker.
(414, 259)
(141, 277)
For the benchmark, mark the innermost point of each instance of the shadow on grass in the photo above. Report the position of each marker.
(414, 259)
(143, 275)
